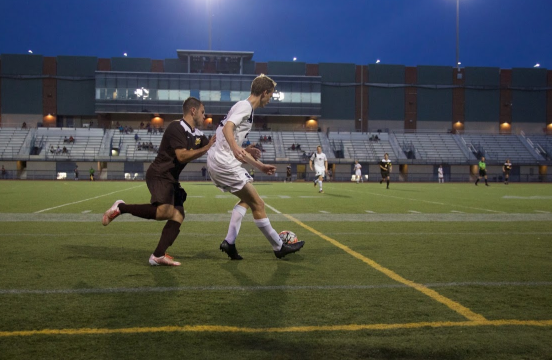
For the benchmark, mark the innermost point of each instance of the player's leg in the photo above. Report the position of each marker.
(235, 222)
(477, 180)
(388, 181)
(486, 184)
(249, 195)
(174, 214)
(320, 181)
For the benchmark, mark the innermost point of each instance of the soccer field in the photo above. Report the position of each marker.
(419, 271)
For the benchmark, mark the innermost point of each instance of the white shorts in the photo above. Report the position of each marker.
(229, 179)
(320, 172)
(357, 173)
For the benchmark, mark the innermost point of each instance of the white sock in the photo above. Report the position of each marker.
(235, 224)
(269, 232)
(320, 182)
(315, 181)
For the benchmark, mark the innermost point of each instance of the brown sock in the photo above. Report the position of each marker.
(144, 211)
(168, 236)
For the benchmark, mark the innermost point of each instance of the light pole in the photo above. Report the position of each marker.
(458, 34)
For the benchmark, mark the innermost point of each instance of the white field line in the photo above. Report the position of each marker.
(266, 288)
(370, 212)
(414, 212)
(273, 209)
(203, 234)
(325, 212)
(429, 202)
(543, 212)
(92, 198)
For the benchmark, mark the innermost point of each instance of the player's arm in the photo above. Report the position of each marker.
(390, 167)
(253, 151)
(310, 164)
(185, 156)
(240, 153)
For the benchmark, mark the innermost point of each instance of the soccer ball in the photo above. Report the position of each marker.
(288, 237)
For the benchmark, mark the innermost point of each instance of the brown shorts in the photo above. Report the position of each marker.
(164, 191)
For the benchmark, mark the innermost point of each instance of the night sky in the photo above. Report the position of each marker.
(501, 33)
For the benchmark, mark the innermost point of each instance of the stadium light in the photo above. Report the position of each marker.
(378, 61)
(537, 65)
(124, 54)
(294, 59)
(30, 51)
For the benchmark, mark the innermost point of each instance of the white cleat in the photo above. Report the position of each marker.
(112, 213)
(163, 261)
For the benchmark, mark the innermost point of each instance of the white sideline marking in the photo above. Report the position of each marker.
(92, 198)
(325, 212)
(543, 212)
(369, 212)
(284, 197)
(262, 288)
(429, 202)
(456, 211)
(535, 197)
(273, 209)
(86, 211)
(414, 212)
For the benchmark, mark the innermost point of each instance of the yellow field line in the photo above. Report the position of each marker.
(459, 308)
(235, 329)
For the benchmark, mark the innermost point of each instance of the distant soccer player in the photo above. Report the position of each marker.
(288, 173)
(320, 166)
(225, 169)
(385, 167)
(182, 142)
(441, 175)
(506, 170)
(482, 171)
(358, 173)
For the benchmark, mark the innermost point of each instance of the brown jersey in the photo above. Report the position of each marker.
(178, 135)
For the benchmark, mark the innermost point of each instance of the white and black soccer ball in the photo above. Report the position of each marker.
(288, 237)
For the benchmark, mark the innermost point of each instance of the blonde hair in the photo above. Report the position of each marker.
(261, 84)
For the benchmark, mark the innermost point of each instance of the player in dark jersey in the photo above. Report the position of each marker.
(385, 167)
(288, 173)
(506, 168)
(482, 171)
(182, 142)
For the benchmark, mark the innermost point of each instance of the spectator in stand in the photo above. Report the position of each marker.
(270, 139)
(247, 143)
(58, 150)
(65, 140)
(292, 146)
(4, 172)
(298, 147)
(204, 172)
(64, 151)
(261, 139)
(265, 138)
(136, 137)
(71, 140)
(139, 146)
(142, 125)
(24, 125)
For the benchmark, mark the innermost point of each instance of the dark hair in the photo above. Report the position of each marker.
(261, 84)
(190, 103)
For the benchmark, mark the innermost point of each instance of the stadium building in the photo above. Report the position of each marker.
(422, 116)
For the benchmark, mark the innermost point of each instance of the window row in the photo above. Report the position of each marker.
(144, 94)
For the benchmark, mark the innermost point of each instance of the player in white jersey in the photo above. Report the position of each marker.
(320, 166)
(358, 173)
(441, 175)
(224, 163)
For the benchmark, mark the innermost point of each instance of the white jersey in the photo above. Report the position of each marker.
(319, 161)
(357, 169)
(440, 172)
(220, 154)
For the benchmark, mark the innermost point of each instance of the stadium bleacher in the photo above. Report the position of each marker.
(498, 148)
(12, 141)
(432, 147)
